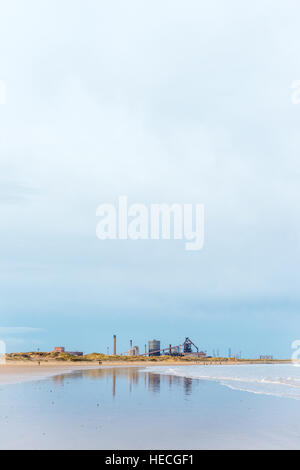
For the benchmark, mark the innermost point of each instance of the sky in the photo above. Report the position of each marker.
(163, 102)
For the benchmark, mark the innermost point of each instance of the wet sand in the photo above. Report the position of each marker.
(14, 372)
(19, 372)
(129, 408)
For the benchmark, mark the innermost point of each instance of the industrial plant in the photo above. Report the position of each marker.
(154, 348)
(187, 348)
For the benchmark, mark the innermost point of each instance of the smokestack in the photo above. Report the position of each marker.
(115, 345)
(145, 348)
(131, 344)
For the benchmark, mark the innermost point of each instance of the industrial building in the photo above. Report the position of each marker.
(154, 347)
(75, 353)
(134, 351)
(61, 349)
(188, 349)
(173, 351)
(187, 346)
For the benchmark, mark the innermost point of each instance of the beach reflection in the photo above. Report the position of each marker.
(154, 382)
(134, 375)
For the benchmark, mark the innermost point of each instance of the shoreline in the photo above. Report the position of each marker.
(14, 372)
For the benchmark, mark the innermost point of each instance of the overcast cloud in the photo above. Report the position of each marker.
(163, 102)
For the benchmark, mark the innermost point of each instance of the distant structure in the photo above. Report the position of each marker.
(229, 352)
(187, 346)
(266, 358)
(201, 354)
(115, 345)
(188, 349)
(134, 351)
(154, 347)
(173, 351)
(61, 349)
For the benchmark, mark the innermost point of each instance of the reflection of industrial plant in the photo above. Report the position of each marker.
(134, 376)
(188, 348)
(154, 382)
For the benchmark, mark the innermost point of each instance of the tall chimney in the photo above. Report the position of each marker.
(115, 345)
(131, 344)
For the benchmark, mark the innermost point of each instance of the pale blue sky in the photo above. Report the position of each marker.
(162, 101)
